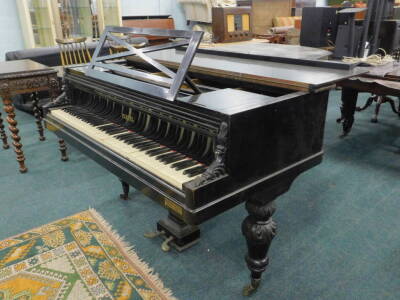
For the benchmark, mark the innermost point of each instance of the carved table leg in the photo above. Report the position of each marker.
(367, 104)
(259, 230)
(3, 135)
(348, 108)
(63, 150)
(125, 189)
(9, 109)
(392, 104)
(398, 109)
(38, 115)
(377, 109)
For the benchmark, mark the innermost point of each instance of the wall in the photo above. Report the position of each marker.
(321, 3)
(10, 29)
(155, 7)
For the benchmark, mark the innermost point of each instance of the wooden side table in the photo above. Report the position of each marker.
(21, 77)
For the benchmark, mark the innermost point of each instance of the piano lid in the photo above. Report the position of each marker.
(103, 66)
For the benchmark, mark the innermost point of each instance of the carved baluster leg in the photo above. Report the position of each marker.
(259, 230)
(38, 115)
(9, 109)
(63, 150)
(3, 135)
(125, 189)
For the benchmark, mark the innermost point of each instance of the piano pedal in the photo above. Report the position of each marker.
(176, 234)
(165, 246)
(153, 235)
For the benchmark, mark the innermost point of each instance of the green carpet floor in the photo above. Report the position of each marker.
(338, 226)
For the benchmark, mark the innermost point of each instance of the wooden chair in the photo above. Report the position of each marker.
(134, 41)
(73, 51)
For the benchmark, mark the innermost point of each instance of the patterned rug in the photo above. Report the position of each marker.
(76, 258)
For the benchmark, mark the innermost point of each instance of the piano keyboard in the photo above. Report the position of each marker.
(165, 162)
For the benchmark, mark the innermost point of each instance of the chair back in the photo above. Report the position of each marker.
(73, 51)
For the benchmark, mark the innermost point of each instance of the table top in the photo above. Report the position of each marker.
(22, 68)
(390, 71)
(293, 77)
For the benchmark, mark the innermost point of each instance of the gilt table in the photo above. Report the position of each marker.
(22, 77)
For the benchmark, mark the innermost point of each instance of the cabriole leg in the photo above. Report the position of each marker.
(259, 230)
(63, 150)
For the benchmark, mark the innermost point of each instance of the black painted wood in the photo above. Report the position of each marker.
(261, 143)
(125, 190)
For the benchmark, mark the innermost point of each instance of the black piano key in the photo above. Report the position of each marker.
(164, 156)
(155, 145)
(174, 159)
(194, 170)
(158, 151)
(184, 164)
(142, 144)
(130, 136)
(125, 135)
(151, 144)
(198, 172)
(135, 140)
(108, 127)
(116, 131)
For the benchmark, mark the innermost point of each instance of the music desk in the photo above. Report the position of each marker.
(380, 81)
(22, 77)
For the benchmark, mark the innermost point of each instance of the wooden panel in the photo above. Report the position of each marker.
(164, 23)
(265, 10)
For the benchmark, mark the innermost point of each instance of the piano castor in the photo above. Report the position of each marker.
(197, 150)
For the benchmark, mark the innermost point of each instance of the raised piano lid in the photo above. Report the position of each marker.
(228, 101)
(289, 76)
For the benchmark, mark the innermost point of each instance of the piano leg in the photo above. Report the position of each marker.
(63, 150)
(348, 108)
(3, 135)
(38, 115)
(259, 230)
(125, 189)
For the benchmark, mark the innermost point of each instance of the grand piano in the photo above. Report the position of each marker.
(196, 142)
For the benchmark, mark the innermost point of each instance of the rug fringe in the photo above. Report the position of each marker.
(132, 255)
